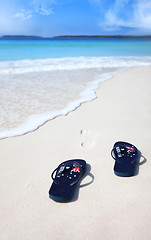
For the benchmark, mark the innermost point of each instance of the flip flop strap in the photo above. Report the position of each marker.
(113, 156)
(54, 179)
(112, 152)
(52, 175)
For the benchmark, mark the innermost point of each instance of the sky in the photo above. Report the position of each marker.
(49, 18)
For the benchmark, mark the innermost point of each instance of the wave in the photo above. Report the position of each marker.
(52, 64)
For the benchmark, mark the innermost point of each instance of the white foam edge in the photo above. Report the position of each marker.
(37, 120)
(70, 63)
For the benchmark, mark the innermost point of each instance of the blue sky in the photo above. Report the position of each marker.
(63, 17)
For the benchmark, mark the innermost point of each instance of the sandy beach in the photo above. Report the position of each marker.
(105, 207)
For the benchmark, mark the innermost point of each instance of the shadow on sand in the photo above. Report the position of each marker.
(141, 161)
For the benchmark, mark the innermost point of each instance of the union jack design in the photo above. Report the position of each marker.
(75, 169)
(130, 149)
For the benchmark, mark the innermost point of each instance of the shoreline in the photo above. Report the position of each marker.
(105, 207)
(36, 120)
(87, 95)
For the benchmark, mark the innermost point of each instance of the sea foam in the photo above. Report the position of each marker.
(52, 64)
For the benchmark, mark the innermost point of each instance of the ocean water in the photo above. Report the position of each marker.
(41, 79)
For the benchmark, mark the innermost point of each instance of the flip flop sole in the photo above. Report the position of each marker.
(120, 174)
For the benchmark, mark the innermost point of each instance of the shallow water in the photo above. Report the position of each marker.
(30, 99)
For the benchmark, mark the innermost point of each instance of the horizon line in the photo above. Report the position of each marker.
(75, 36)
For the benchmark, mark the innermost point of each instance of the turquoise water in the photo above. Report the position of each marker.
(19, 49)
(41, 79)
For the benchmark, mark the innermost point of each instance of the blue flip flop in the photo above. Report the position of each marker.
(67, 175)
(126, 158)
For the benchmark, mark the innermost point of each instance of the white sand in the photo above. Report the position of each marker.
(110, 207)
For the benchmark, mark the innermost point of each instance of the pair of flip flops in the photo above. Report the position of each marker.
(68, 174)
